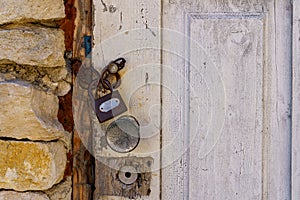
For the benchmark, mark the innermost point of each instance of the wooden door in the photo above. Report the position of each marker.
(246, 156)
(211, 84)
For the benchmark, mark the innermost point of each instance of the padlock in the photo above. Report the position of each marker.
(109, 106)
(112, 104)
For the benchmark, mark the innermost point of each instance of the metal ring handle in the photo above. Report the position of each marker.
(120, 63)
(107, 85)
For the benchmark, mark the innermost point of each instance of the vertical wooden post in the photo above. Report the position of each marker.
(296, 103)
(83, 161)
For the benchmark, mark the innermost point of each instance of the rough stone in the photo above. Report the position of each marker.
(31, 165)
(11, 195)
(57, 74)
(55, 80)
(62, 191)
(62, 88)
(32, 45)
(30, 10)
(28, 113)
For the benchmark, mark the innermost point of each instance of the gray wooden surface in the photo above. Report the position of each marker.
(122, 29)
(251, 48)
(225, 92)
(296, 103)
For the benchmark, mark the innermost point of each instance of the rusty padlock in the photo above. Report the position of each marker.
(111, 104)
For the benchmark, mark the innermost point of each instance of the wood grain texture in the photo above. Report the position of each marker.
(277, 101)
(210, 178)
(234, 43)
(226, 93)
(251, 48)
(84, 27)
(296, 103)
(83, 161)
(124, 29)
(114, 187)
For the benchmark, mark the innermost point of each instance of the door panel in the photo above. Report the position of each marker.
(230, 165)
(210, 82)
(250, 46)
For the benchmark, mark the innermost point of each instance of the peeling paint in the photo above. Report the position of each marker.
(112, 9)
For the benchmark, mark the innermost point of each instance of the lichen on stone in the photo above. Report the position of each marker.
(56, 80)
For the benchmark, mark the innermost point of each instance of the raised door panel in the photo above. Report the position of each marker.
(235, 108)
(226, 152)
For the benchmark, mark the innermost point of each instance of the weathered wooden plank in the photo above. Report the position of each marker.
(277, 101)
(83, 161)
(129, 29)
(296, 103)
(84, 27)
(226, 167)
(188, 177)
(250, 46)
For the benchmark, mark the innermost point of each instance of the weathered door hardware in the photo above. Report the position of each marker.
(111, 104)
(123, 134)
(128, 175)
(124, 176)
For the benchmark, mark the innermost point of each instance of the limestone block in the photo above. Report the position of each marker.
(31, 10)
(32, 46)
(11, 195)
(62, 191)
(28, 113)
(31, 165)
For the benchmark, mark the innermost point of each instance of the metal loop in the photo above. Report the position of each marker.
(120, 62)
(116, 84)
(108, 85)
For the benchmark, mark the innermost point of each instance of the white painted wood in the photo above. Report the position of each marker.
(296, 103)
(277, 101)
(122, 29)
(235, 45)
(251, 48)
(225, 92)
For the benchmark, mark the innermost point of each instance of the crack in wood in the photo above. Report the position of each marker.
(104, 5)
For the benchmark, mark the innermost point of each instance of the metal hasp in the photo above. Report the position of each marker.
(124, 176)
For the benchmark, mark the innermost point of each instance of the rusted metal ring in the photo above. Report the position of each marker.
(107, 85)
(120, 62)
(107, 71)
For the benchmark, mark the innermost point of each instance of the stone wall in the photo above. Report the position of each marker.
(33, 75)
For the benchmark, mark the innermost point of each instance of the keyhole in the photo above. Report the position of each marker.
(128, 174)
